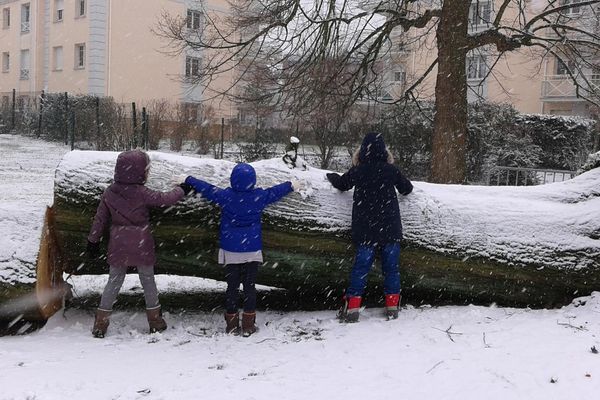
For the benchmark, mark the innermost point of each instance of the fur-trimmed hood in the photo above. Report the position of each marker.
(372, 149)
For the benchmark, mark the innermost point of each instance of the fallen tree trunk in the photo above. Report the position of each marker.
(533, 246)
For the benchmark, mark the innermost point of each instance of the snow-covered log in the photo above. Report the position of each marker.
(536, 246)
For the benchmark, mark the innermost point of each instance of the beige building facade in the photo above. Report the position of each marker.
(531, 81)
(104, 48)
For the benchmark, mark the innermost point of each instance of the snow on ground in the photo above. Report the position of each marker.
(26, 186)
(428, 353)
(461, 353)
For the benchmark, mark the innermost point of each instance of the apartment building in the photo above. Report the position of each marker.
(531, 80)
(104, 48)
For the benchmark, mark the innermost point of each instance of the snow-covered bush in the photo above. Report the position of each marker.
(497, 136)
(593, 161)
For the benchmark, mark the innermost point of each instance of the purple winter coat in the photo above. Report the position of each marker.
(125, 207)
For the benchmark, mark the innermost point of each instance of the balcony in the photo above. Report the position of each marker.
(561, 87)
(24, 76)
(25, 26)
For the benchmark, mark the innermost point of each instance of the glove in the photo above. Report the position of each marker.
(177, 180)
(92, 250)
(297, 185)
(186, 188)
(332, 177)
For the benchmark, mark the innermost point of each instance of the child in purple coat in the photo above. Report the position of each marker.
(124, 209)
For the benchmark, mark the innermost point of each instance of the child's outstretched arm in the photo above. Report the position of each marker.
(343, 182)
(155, 198)
(208, 191)
(403, 185)
(277, 192)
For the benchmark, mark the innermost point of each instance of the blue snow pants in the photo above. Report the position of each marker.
(365, 255)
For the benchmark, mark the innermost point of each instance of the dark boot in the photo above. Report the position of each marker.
(155, 320)
(101, 323)
(392, 304)
(350, 309)
(233, 323)
(248, 324)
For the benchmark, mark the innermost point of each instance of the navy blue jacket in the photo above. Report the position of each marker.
(375, 211)
(242, 205)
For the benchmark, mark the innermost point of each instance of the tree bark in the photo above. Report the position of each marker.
(450, 122)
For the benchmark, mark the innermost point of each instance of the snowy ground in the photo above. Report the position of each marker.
(491, 353)
(461, 353)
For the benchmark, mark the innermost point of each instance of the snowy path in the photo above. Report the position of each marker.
(26, 187)
(311, 356)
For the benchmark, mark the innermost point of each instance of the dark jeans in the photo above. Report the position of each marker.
(365, 255)
(245, 274)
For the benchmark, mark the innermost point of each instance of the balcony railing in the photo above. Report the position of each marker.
(562, 86)
(25, 26)
(24, 74)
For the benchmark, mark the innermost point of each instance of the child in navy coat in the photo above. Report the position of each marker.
(376, 225)
(241, 237)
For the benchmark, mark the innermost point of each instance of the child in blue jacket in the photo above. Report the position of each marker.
(241, 237)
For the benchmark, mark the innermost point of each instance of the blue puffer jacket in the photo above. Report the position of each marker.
(375, 211)
(242, 205)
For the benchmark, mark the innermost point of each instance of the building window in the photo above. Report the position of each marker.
(192, 67)
(80, 8)
(400, 76)
(24, 75)
(57, 58)
(6, 18)
(563, 69)
(5, 61)
(80, 56)
(576, 9)
(59, 10)
(480, 13)
(193, 19)
(476, 67)
(25, 17)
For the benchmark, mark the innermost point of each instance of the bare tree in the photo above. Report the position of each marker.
(295, 38)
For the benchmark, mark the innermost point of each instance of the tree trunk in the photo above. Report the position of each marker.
(306, 239)
(450, 123)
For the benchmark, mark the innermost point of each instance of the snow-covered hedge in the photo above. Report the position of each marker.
(498, 136)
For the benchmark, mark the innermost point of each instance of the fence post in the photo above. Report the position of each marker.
(14, 109)
(134, 119)
(72, 129)
(98, 120)
(222, 137)
(66, 118)
(39, 131)
(144, 126)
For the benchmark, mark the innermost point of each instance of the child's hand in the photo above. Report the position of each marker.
(297, 185)
(177, 180)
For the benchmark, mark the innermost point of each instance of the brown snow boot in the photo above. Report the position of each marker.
(248, 324)
(155, 320)
(101, 323)
(233, 323)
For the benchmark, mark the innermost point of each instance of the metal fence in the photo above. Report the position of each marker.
(515, 176)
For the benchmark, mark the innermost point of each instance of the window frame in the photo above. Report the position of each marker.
(25, 18)
(476, 13)
(6, 62)
(80, 56)
(24, 73)
(194, 19)
(55, 66)
(189, 67)
(79, 8)
(481, 67)
(6, 18)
